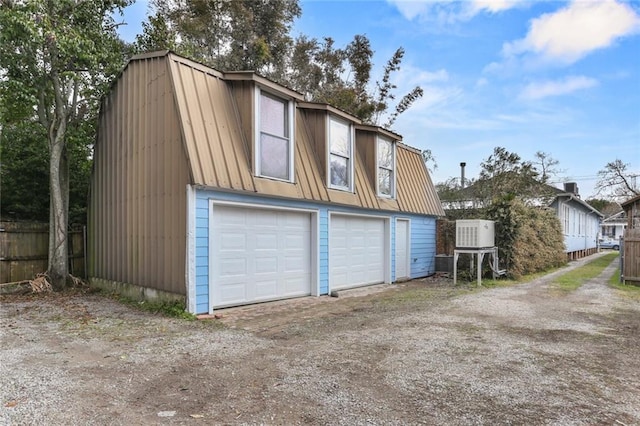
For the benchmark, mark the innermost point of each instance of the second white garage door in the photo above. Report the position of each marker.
(356, 251)
(258, 255)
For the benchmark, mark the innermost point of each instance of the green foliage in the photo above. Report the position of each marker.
(57, 58)
(54, 96)
(530, 239)
(573, 279)
(341, 77)
(156, 35)
(24, 173)
(228, 35)
(173, 308)
(628, 290)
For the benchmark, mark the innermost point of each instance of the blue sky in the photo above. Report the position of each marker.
(558, 77)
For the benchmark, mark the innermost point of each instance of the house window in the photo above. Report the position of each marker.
(340, 154)
(274, 141)
(565, 215)
(386, 168)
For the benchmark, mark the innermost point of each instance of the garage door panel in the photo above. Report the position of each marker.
(266, 264)
(232, 241)
(233, 267)
(259, 254)
(356, 251)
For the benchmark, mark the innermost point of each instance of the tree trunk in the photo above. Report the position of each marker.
(58, 252)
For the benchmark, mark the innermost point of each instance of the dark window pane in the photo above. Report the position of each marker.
(274, 157)
(339, 171)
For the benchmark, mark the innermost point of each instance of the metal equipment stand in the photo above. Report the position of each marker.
(479, 252)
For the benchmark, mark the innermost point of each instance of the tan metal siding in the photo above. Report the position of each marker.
(243, 100)
(213, 135)
(416, 192)
(307, 170)
(138, 196)
(316, 121)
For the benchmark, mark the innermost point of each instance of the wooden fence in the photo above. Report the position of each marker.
(24, 251)
(631, 256)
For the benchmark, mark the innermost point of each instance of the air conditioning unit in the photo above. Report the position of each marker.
(475, 233)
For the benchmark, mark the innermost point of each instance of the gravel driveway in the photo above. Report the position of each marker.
(423, 352)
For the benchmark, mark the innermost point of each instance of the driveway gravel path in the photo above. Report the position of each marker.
(422, 352)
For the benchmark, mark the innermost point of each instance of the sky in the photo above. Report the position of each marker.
(558, 77)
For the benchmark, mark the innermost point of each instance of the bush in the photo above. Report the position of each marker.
(529, 239)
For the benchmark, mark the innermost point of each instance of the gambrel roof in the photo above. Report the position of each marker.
(214, 114)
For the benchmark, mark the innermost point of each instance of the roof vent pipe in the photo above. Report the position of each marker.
(462, 166)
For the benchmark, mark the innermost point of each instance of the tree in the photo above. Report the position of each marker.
(429, 158)
(606, 207)
(616, 182)
(505, 173)
(546, 166)
(342, 78)
(56, 59)
(228, 35)
(156, 35)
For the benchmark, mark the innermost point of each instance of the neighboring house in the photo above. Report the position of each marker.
(631, 254)
(631, 208)
(580, 222)
(613, 227)
(227, 189)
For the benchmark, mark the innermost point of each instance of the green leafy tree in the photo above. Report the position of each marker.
(56, 59)
(24, 173)
(228, 35)
(606, 207)
(342, 78)
(156, 35)
(505, 173)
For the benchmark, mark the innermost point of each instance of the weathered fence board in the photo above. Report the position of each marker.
(631, 259)
(24, 251)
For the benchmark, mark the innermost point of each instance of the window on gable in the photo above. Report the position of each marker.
(274, 141)
(386, 167)
(340, 154)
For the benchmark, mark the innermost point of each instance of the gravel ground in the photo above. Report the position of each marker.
(423, 352)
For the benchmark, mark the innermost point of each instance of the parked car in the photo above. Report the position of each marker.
(609, 244)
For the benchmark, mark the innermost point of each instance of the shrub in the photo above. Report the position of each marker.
(529, 238)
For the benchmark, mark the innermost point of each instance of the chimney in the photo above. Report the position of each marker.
(571, 188)
(462, 166)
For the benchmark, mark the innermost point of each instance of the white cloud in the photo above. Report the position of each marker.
(492, 6)
(575, 31)
(544, 89)
(450, 11)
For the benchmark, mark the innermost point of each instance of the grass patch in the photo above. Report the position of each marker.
(571, 280)
(628, 290)
(419, 295)
(174, 309)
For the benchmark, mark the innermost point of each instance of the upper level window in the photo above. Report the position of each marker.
(386, 167)
(274, 142)
(340, 154)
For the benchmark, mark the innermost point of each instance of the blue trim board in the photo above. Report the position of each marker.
(423, 237)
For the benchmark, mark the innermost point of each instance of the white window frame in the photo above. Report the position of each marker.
(350, 157)
(290, 108)
(392, 181)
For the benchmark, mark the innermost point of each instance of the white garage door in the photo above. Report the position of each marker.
(259, 255)
(356, 251)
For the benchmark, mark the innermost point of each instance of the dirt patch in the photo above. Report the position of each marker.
(422, 352)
